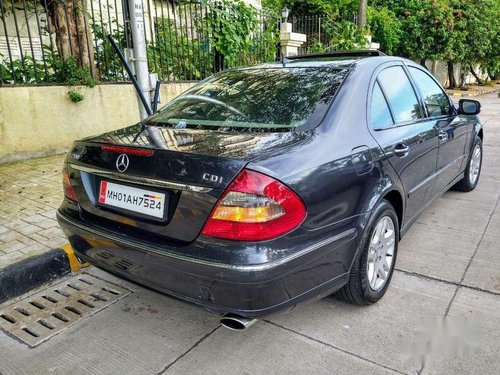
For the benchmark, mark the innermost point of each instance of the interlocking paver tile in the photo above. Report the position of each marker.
(47, 223)
(50, 232)
(11, 246)
(30, 192)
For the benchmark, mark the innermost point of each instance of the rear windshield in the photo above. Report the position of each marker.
(254, 99)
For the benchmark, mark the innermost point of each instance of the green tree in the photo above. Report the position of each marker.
(475, 36)
(426, 29)
(457, 31)
(385, 28)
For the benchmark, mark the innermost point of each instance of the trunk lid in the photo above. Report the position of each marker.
(191, 168)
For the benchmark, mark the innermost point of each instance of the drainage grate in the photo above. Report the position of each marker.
(46, 313)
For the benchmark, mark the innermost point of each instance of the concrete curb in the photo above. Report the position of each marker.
(27, 274)
(472, 93)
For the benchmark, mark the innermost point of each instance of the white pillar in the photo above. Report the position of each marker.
(290, 41)
(140, 55)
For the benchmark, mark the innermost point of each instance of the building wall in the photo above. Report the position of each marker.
(37, 121)
(439, 69)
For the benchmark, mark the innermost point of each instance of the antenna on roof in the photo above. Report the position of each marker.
(284, 61)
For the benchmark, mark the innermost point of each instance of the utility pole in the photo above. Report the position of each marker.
(140, 56)
(363, 4)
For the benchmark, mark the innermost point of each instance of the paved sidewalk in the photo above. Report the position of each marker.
(30, 192)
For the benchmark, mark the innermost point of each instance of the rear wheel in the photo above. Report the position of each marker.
(473, 169)
(372, 269)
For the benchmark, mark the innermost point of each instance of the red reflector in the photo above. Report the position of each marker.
(127, 150)
(69, 192)
(255, 207)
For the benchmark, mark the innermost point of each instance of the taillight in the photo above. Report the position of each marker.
(255, 207)
(69, 192)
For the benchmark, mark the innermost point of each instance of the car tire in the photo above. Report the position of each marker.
(362, 288)
(473, 169)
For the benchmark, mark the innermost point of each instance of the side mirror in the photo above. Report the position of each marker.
(468, 107)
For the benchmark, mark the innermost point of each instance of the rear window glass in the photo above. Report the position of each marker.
(254, 99)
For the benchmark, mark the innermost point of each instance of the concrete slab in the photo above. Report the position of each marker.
(491, 159)
(494, 226)
(460, 214)
(484, 271)
(259, 351)
(139, 334)
(437, 252)
(487, 190)
(383, 333)
(481, 354)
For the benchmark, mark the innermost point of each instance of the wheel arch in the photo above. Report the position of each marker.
(395, 198)
(477, 130)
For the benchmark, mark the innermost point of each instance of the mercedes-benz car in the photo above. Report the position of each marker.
(264, 187)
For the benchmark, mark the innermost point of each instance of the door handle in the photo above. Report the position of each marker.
(443, 136)
(401, 150)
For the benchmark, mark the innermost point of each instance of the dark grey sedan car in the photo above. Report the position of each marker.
(264, 187)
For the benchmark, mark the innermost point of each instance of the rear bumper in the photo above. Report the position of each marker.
(248, 290)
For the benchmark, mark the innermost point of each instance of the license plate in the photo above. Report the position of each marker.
(143, 201)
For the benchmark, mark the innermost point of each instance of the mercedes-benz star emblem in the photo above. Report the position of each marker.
(122, 163)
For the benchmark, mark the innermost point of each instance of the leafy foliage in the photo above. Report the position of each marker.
(338, 8)
(234, 31)
(263, 44)
(75, 96)
(231, 25)
(386, 29)
(25, 70)
(54, 70)
(458, 31)
(231, 28)
(346, 36)
(108, 63)
(175, 56)
(342, 35)
(476, 34)
(68, 73)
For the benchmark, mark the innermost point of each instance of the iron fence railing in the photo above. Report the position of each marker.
(318, 29)
(65, 41)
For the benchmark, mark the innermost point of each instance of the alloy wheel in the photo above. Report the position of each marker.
(475, 165)
(381, 253)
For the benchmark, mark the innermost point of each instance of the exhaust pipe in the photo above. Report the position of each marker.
(236, 322)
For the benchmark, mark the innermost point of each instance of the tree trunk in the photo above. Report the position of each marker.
(462, 76)
(422, 62)
(479, 80)
(452, 83)
(69, 21)
(362, 13)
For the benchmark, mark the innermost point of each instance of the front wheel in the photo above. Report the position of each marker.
(373, 266)
(473, 169)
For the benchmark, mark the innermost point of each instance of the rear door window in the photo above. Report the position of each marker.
(435, 99)
(400, 94)
(380, 115)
